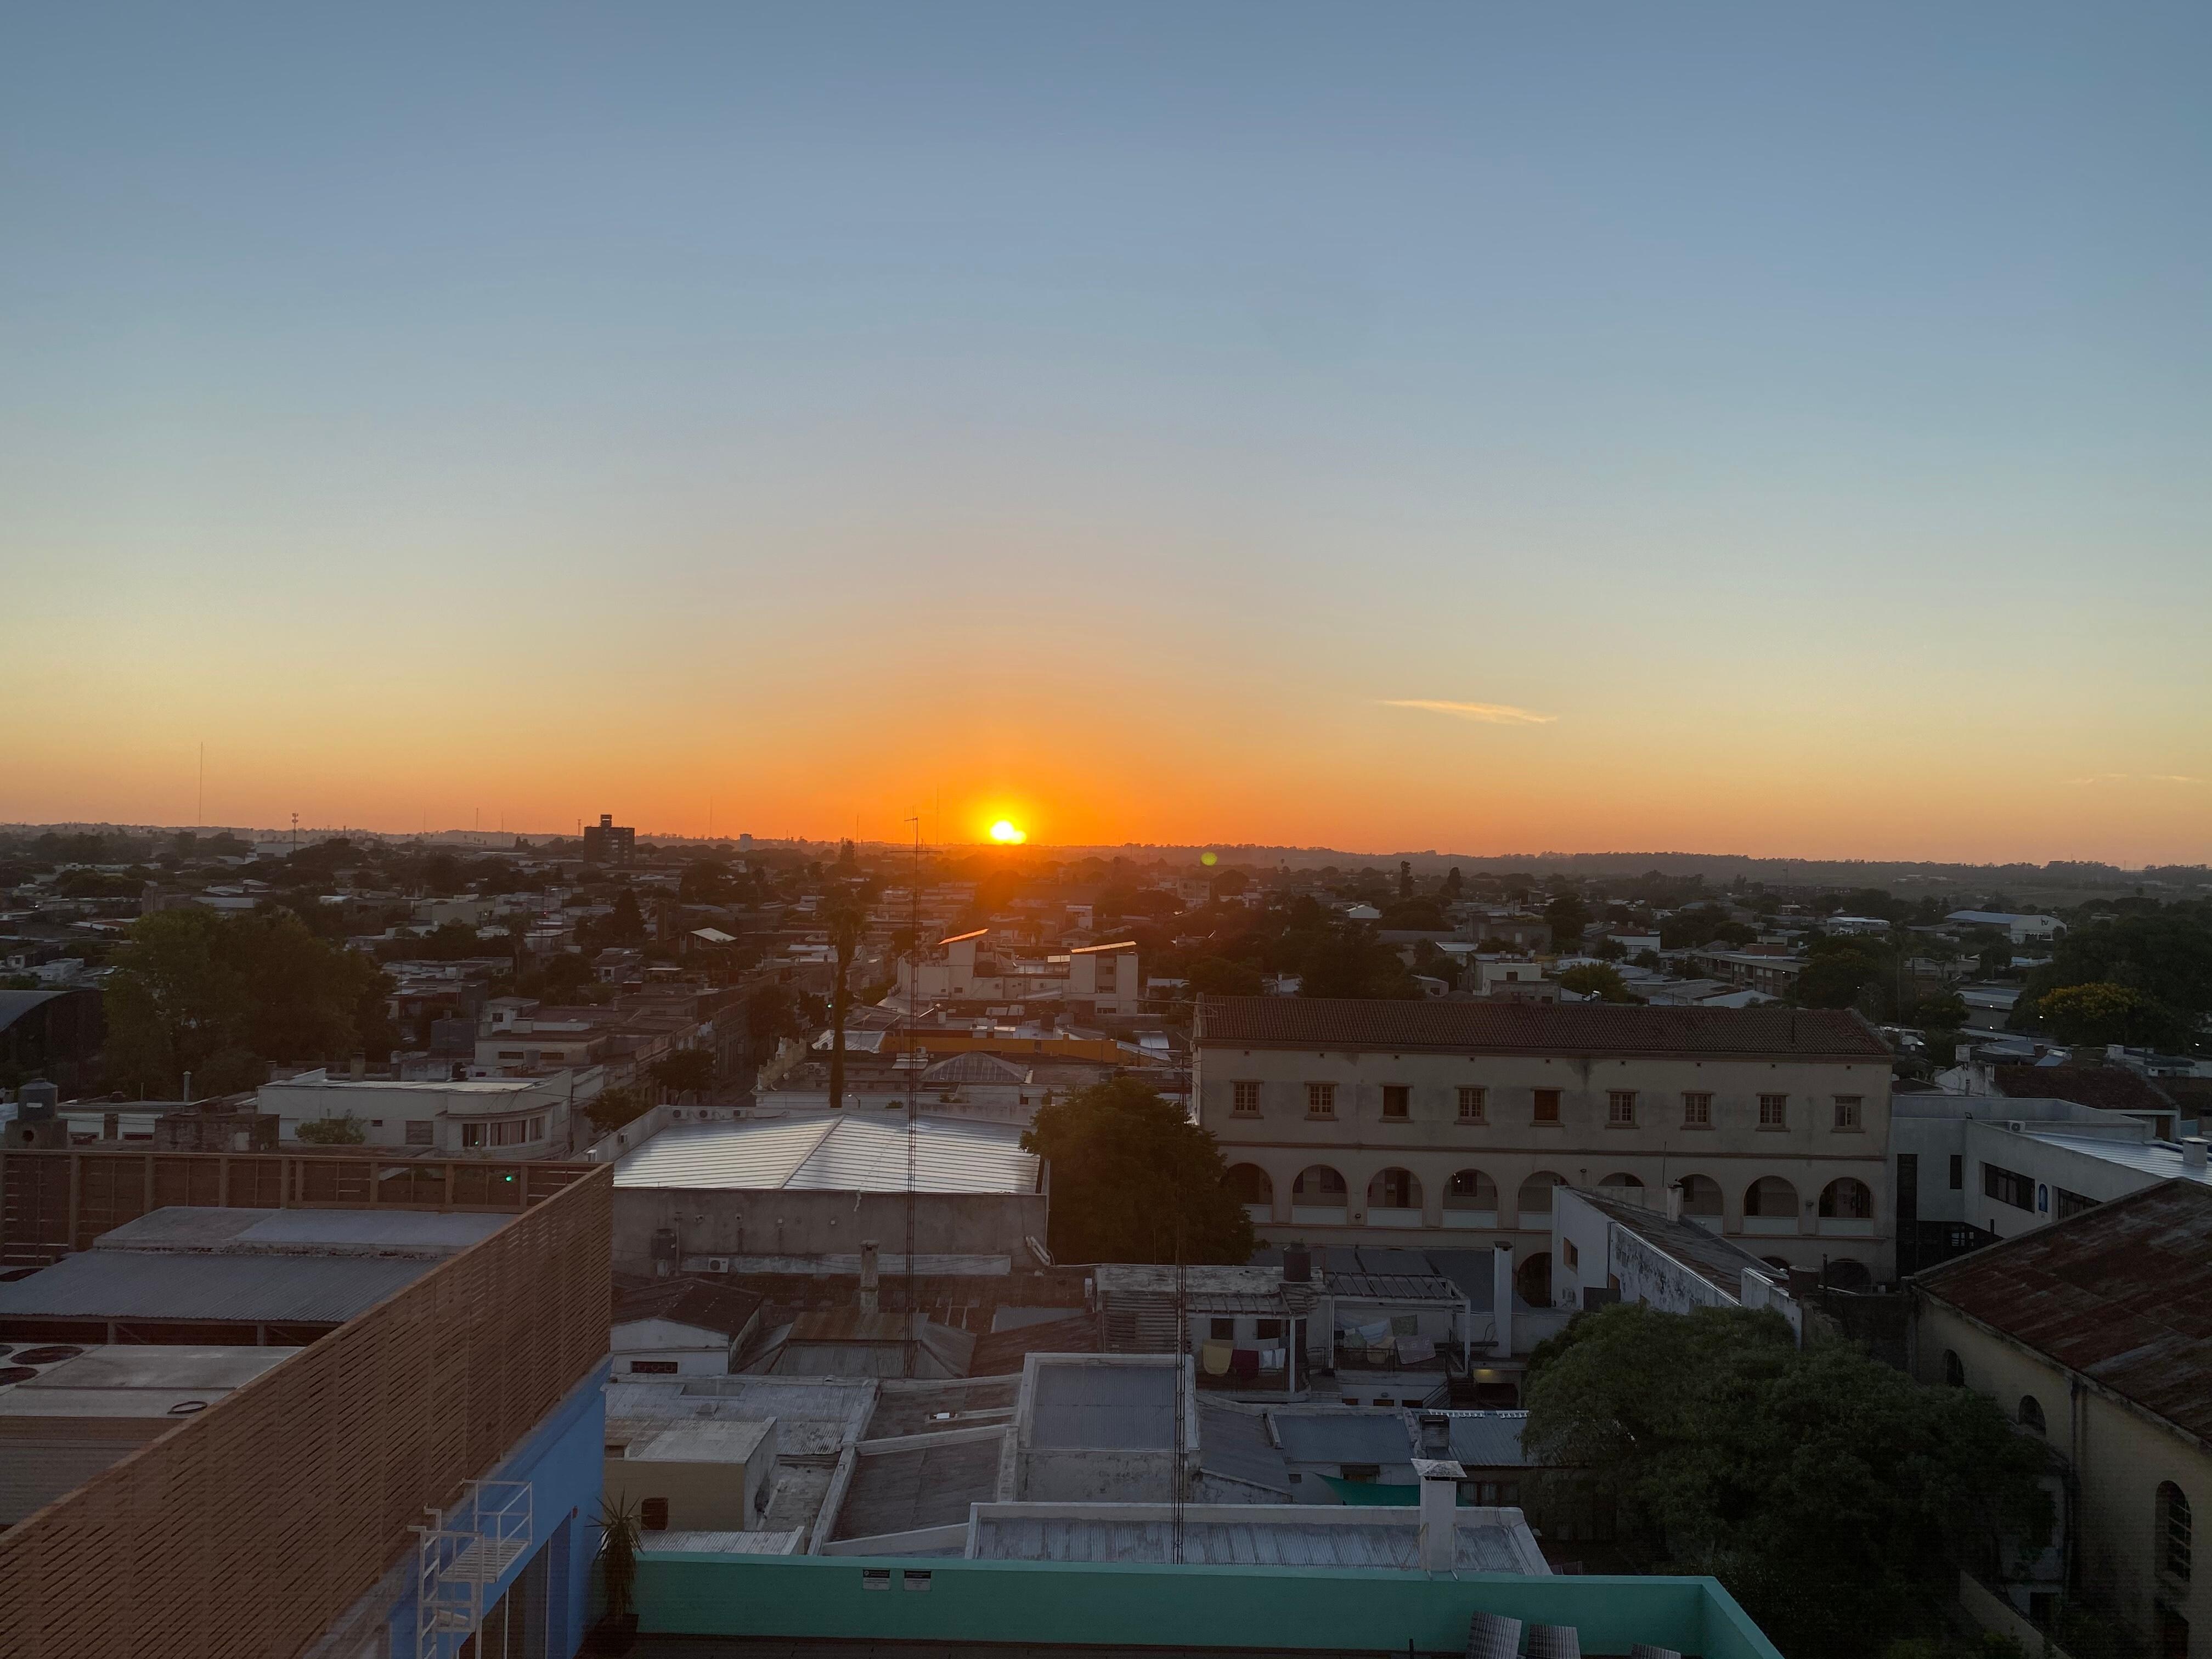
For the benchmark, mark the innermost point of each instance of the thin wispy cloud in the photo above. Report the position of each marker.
(2135, 777)
(1490, 713)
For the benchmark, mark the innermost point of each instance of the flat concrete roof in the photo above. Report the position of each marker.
(148, 1284)
(303, 1232)
(1103, 1407)
(719, 1440)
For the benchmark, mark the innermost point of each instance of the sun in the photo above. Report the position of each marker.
(1007, 834)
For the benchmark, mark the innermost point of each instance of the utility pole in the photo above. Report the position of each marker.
(913, 1072)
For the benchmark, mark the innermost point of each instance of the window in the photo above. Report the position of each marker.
(536, 1128)
(1247, 1183)
(472, 1134)
(652, 1368)
(1221, 1330)
(511, 1053)
(1474, 1105)
(1267, 1330)
(1620, 1109)
(1547, 1106)
(1846, 1199)
(1569, 1254)
(1244, 1099)
(2007, 1187)
(1395, 1189)
(1954, 1370)
(2031, 1414)
(1774, 1111)
(2172, 1541)
(1321, 1100)
(422, 1132)
(2071, 1203)
(1397, 1101)
(1847, 1111)
(1958, 1172)
(1697, 1111)
(653, 1514)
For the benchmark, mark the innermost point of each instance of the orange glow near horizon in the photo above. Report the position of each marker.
(1007, 834)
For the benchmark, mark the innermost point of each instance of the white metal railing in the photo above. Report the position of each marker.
(460, 1555)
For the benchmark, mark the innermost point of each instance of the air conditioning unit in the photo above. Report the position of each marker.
(718, 1264)
(2016, 1126)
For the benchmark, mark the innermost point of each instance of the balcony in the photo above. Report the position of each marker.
(1770, 1226)
(1319, 1215)
(1380, 1215)
(1480, 1220)
(1839, 1226)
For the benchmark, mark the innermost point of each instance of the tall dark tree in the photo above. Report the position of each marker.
(845, 918)
(1134, 1180)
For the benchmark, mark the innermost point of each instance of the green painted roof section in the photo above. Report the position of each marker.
(1189, 1608)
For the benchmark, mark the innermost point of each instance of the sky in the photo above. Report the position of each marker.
(1739, 429)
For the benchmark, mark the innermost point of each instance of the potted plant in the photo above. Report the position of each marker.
(618, 1627)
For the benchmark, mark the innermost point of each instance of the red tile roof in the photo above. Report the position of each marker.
(2121, 1293)
(1561, 1028)
(2112, 1087)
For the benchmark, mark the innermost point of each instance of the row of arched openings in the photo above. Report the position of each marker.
(1318, 1187)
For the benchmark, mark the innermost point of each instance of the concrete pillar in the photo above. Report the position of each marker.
(1501, 1301)
(1439, 1481)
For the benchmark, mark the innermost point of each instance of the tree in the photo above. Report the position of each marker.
(1134, 1180)
(2104, 1013)
(610, 1109)
(705, 881)
(686, 1072)
(333, 1131)
(2165, 954)
(846, 917)
(1599, 980)
(1568, 918)
(1836, 1499)
(1216, 976)
(625, 923)
(1350, 962)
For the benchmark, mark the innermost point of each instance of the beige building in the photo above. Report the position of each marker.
(1435, 1123)
(2091, 1335)
(701, 1476)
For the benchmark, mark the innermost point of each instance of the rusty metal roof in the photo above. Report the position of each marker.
(2121, 1293)
(1538, 1028)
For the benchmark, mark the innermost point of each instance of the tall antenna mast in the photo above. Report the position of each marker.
(1175, 1384)
(913, 1072)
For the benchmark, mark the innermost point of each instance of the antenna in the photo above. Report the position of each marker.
(913, 1072)
(200, 822)
(1175, 1385)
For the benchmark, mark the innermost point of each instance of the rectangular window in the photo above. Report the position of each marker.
(1958, 1172)
(1621, 1107)
(422, 1132)
(1321, 1100)
(1244, 1099)
(1268, 1330)
(536, 1128)
(2071, 1203)
(1221, 1330)
(510, 1054)
(653, 1514)
(1474, 1105)
(1547, 1106)
(472, 1134)
(1847, 1111)
(1569, 1254)
(1773, 1111)
(652, 1368)
(2007, 1187)
(1397, 1101)
(1697, 1111)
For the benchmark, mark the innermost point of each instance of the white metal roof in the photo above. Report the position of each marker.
(2153, 1157)
(857, 1153)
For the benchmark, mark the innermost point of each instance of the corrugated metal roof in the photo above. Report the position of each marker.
(1344, 1437)
(1527, 1028)
(2152, 1157)
(263, 1289)
(1489, 1439)
(1234, 1444)
(1267, 1538)
(720, 1543)
(305, 1231)
(843, 1153)
(2121, 1293)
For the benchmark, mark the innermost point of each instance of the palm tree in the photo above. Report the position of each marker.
(846, 917)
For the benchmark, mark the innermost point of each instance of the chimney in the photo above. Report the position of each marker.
(359, 1067)
(2193, 1150)
(1439, 1481)
(1674, 1200)
(1298, 1265)
(1501, 1301)
(870, 1303)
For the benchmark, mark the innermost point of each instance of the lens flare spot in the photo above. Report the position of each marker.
(1006, 834)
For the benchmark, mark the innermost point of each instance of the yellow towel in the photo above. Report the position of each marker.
(1214, 1356)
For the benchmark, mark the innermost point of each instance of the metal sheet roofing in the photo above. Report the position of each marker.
(1488, 1440)
(2121, 1293)
(1292, 1536)
(1344, 1437)
(1530, 1028)
(244, 1231)
(849, 1153)
(262, 1289)
(1097, 1408)
(1235, 1444)
(2152, 1157)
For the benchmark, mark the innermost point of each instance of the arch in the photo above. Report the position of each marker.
(1470, 1189)
(2031, 1414)
(1622, 1179)
(1394, 1189)
(2174, 1541)
(1701, 1196)
(1954, 1368)
(1319, 1196)
(1770, 1205)
(1532, 1279)
(1845, 1274)
(1845, 1198)
(1250, 1185)
(1535, 1203)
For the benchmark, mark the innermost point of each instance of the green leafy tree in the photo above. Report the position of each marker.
(1836, 1497)
(1133, 1179)
(1599, 980)
(1568, 918)
(1215, 976)
(2164, 953)
(610, 1109)
(1350, 962)
(705, 881)
(686, 1072)
(2108, 1013)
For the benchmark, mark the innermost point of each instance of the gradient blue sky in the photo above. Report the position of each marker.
(1105, 417)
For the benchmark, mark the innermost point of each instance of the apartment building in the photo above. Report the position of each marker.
(1409, 1123)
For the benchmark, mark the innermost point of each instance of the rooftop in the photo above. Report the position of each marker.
(2157, 1158)
(1247, 1535)
(145, 1285)
(1102, 1405)
(815, 1417)
(707, 1304)
(847, 1153)
(1712, 1257)
(716, 1440)
(2110, 1087)
(1536, 1028)
(2121, 1294)
(302, 1232)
